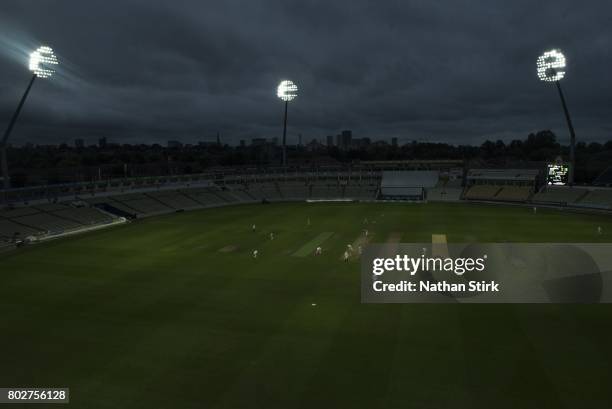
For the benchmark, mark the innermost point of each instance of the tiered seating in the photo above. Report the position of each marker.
(605, 179)
(407, 184)
(205, 197)
(175, 199)
(524, 175)
(84, 215)
(369, 192)
(255, 191)
(355, 191)
(559, 195)
(225, 196)
(514, 193)
(9, 228)
(482, 192)
(270, 191)
(143, 205)
(322, 191)
(442, 194)
(238, 194)
(50, 207)
(46, 221)
(19, 211)
(294, 190)
(597, 198)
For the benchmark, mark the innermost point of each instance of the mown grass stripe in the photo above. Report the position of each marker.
(310, 246)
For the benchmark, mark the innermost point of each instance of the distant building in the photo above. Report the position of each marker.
(258, 141)
(79, 143)
(313, 146)
(330, 140)
(394, 142)
(360, 143)
(102, 142)
(346, 138)
(242, 143)
(174, 144)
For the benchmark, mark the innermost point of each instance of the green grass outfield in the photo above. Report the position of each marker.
(154, 315)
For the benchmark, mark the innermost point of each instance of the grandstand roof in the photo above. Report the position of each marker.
(503, 174)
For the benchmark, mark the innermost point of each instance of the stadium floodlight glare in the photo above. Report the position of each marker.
(286, 91)
(551, 68)
(42, 61)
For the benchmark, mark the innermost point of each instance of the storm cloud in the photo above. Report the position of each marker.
(451, 71)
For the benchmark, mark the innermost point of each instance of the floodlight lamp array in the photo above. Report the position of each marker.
(551, 66)
(42, 61)
(287, 90)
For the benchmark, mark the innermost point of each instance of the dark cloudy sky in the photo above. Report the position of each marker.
(453, 71)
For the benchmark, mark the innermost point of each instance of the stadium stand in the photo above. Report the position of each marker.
(407, 185)
(293, 190)
(597, 198)
(482, 192)
(444, 194)
(514, 193)
(605, 179)
(506, 185)
(175, 199)
(10, 229)
(559, 195)
(206, 197)
(502, 175)
(48, 219)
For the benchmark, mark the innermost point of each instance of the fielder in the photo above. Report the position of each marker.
(255, 253)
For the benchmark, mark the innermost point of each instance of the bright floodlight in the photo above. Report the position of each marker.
(551, 66)
(287, 90)
(42, 62)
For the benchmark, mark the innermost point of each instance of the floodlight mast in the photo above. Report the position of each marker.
(41, 61)
(286, 91)
(551, 68)
(572, 135)
(285, 134)
(7, 133)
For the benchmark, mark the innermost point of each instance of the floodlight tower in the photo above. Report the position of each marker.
(551, 68)
(42, 61)
(286, 91)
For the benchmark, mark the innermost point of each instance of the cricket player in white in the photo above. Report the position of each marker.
(255, 253)
(318, 251)
(346, 256)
